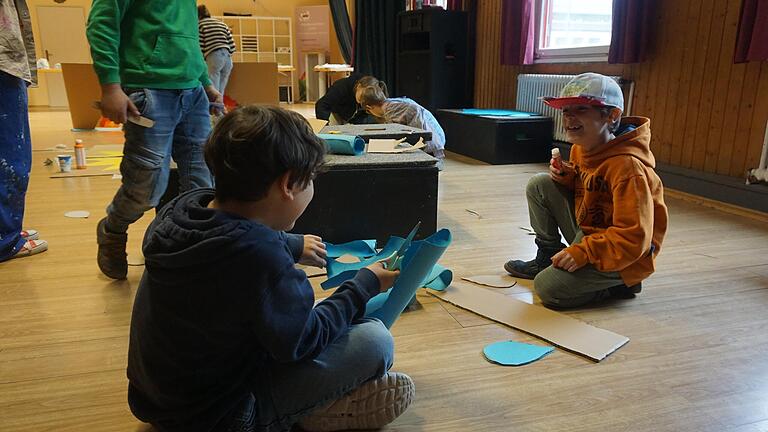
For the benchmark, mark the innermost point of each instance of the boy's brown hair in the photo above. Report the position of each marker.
(253, 146)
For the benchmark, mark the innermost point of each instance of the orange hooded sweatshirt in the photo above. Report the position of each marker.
(619, 203)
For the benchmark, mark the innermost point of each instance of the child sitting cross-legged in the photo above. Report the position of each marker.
(224, 335)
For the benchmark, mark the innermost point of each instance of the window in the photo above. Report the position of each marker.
(573, 30)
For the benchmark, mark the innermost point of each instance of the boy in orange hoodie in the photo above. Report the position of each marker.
(607, 201)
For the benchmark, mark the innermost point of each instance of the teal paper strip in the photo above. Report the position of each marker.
(357, 248)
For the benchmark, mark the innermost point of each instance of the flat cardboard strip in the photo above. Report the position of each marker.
(561, 330)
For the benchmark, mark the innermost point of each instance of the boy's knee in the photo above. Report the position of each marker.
(549, 287)
(537, 184)
(372, 343)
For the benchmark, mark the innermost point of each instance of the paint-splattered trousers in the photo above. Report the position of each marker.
(15, 162)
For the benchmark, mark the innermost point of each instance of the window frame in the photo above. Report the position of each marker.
(591, 54)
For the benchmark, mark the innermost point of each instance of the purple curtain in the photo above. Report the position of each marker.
(631, 30)
(517, 32)
(752, 40)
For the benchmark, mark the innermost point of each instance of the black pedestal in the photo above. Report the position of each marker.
(497, 140)
(373, 196)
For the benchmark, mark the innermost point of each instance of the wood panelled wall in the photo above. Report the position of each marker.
(706, 113)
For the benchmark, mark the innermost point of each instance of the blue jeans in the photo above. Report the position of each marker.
(182, 124)
(15, 162)
(219, 67)
(286, 392)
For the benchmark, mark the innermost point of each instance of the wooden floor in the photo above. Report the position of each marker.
(697, 359)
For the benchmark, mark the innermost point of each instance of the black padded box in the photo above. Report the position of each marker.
(497, 140)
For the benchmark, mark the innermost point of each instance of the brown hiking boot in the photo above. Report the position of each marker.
(112, 259)
(373, 405)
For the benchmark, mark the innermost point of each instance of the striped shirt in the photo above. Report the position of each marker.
(214, 34)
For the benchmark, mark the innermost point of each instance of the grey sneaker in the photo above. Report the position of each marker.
(112, 259)
(624, 292)
(529, 269)
(373, 405)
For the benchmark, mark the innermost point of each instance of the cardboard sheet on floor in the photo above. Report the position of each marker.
(493, 281)
(511, 353)
(561, 330)
(91, 171)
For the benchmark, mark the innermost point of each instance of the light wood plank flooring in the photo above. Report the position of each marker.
(697, 359)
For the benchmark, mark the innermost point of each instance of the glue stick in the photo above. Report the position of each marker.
(79, 154)
(557, 160)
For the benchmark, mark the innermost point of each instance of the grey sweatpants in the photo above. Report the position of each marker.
(550, 207)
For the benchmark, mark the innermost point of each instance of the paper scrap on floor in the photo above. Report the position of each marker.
(511, 353)
(393, 146)
(556, 328)
(494, 281)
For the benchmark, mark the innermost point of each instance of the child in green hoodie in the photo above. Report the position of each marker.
(148, 60)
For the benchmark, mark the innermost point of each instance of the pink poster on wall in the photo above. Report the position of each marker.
(312, 29)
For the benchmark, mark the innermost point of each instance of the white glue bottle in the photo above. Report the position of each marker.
(557, 160)
(80, 154)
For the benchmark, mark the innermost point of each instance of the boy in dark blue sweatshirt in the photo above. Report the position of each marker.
(224, 335)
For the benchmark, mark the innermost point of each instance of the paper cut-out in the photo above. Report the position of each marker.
(393, 145)
(358, 248)
(317, 124)
(561, 330)
(343, 144)
(419, 261)
(511, 353)
(494, 281)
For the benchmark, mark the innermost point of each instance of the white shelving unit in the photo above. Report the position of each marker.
(265, 40)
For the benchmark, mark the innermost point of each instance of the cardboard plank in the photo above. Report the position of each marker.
(561, 330)
(83, 89)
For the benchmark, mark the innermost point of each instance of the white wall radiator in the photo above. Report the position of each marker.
(530, 87)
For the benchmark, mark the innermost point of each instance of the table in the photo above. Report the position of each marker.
(373, 196)
(380, 131)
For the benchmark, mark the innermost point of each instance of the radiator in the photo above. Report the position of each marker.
(530, 87)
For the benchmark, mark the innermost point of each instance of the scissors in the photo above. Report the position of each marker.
(394, 261)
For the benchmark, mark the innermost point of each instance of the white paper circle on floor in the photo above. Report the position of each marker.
(77, 214)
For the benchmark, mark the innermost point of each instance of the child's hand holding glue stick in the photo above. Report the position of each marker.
(560, 171)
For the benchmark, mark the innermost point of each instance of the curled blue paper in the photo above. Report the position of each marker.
(419, 261)
(343, 144)
(357, 248)
(338, 272)
(439, 278)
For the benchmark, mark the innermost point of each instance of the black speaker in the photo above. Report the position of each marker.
(433, 61)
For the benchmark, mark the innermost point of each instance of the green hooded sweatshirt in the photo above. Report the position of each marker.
(146, 43)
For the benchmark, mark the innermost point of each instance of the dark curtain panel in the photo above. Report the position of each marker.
(517, 32)
(752, 41)
(376, 39)
(631, 30)
(343, 28)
